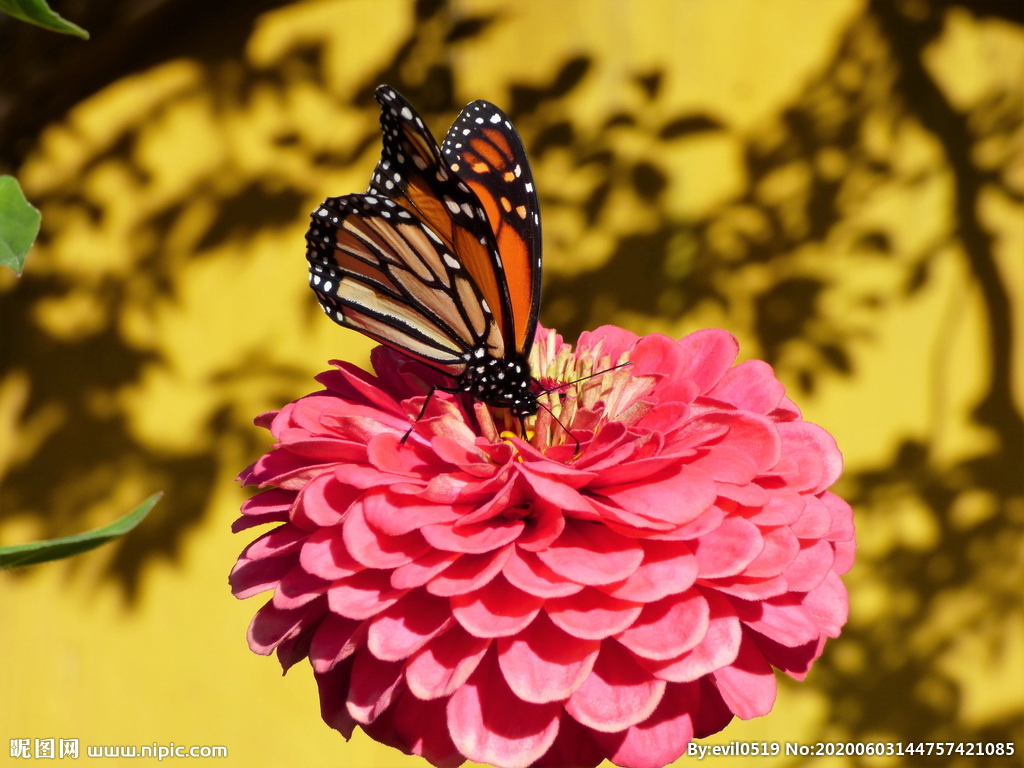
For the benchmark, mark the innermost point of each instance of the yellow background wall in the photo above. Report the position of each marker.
(166, 305)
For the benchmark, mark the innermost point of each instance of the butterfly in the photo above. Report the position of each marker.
(441, 257)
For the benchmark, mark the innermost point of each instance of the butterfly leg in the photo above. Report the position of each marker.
(423, 410)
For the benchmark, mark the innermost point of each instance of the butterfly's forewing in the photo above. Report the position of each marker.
(412, 172)
(485, 151)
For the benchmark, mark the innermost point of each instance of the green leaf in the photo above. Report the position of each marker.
(19, 223)
(39, 13)
(55, 549)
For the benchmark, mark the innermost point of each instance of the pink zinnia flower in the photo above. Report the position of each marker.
(473, 595)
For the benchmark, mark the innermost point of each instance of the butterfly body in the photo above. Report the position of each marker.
(440, 258)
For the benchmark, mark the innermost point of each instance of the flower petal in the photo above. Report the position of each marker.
(668, 567)
(714, 714)
(784, 507)
(752, 386)
(728, 549)
(469, 573)
(324, 555)
(363, 594)
(781, 548)
(297, 588)
(323, 501)
(660, 739)
(396, 514)
(782, 618)
(591, 614)
(423, 728)
(617, 694)
(271, 626)
(818, 460)
(496, 610)
(422, 569)
(706, 356)
(750, 588)
(378, 550)
(335, 640)
(250, 577)
(445, 663)
(748, 684)
(828, 605)
(473, 539)
(574, 747)
(373, 686)
(795, 662)
(669, 627)
(815, 521)
(489, 724)
(526, 571)
(750, 447)
(718, 648)
(408, 625)
(589, 553)
(333, 686)
(542, 663)
(842, 518)
(677, 495)
(811, 565)
(845, 551)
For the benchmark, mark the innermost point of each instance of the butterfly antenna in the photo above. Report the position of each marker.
(559, 422)
(584, 378)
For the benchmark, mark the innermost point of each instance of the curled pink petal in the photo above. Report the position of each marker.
(591, 614)
(660, 739)
(324, 554)
(751, 385)
(445, 663)
(718, 648)
(335, 640)
(526, 571)
(542, 663)
(423, 728)
(811, 565)
(250, 577)
(408, 625)
(489, 724)
(781, 548)
(669, 627)
(372, 687)
(469, 573)
(783, 619)
(379, 550)
(496, 610)
(728, 549)
(828, 605)
(669, 567)
(747, 685)
(589, 553)
(678, 495)
(363, 595)
(618, 693)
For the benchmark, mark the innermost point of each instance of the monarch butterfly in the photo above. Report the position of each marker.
(441, 258)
